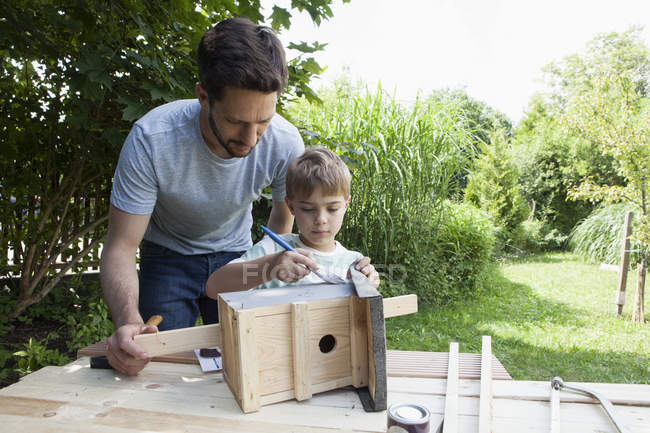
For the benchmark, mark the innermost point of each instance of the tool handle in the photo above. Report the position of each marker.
(102, 362)
(154, 320)
(277, 239)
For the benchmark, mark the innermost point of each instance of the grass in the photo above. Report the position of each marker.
(548, 315)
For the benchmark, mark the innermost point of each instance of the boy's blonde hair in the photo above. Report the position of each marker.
(317, 168)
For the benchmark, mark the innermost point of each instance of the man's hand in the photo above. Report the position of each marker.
(367, 269)
(123, 354)
(290, 266)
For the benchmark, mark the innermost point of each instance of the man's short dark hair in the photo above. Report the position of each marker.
(237, 53)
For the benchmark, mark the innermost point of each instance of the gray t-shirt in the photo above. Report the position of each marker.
(199, 203)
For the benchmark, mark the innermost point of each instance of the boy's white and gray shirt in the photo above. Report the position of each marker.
(334, 262)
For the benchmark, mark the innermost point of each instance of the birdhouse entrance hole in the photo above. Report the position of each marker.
(327, 343)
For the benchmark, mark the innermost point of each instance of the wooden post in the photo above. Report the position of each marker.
(625, 263)
(638, 314)
(300, 350)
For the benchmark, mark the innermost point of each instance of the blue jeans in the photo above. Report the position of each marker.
(173, 285)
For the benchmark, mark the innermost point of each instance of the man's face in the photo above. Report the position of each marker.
(233, 125)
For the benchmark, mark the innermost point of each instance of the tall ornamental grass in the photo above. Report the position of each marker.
(403, 161)
(599, 237)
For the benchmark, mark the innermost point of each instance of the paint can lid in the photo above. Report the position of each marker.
(408, 413)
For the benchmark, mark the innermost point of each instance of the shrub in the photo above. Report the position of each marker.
(449, 260)
(35, 355)
(458, 255)
(599, 237)
(533, 235)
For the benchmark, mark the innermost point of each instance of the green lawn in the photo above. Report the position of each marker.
(548, 315)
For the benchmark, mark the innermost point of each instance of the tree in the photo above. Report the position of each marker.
(613, 109)
(74, 76)
(493, 187)
(476, 116)
(551, 160)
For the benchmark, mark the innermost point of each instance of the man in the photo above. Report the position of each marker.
(185, 182)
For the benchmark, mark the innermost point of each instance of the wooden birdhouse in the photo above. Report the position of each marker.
(280, 344)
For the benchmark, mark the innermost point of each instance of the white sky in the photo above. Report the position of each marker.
(495, 49)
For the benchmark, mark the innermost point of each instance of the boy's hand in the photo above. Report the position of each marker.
(292, 266)
(367, 269)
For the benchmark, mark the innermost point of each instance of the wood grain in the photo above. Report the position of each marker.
(485, 404)
(301, 359)
(451, 396)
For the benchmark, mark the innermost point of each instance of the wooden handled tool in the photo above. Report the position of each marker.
(102, 361)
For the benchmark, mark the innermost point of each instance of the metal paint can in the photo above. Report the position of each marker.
(407, 418)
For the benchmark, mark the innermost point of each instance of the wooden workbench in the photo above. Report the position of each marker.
(172, 397)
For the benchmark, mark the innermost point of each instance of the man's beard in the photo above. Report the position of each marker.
(227, 146)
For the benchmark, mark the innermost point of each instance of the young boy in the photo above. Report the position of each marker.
(318, 194)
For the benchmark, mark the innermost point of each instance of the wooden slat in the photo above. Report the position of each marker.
(451, 396)
(229, 355)
(358, 339)
(179, 340)
(485, 403)
(400, 306)
(335, 364)
(434, 365)
(301, 350)
(248, 362)
(275, 352)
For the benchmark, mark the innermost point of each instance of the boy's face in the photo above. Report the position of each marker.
(319, 218)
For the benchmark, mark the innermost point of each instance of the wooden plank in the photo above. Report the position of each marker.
(231, 372)
(179, 340)
(315, 388)
(275, 351)
(99, 349)
(250, 376)
(434, 365)
(358, 342)
(377, 385)
(335, 364)
(485, 404)
(400, 305)
(451, 396)
(301, 350)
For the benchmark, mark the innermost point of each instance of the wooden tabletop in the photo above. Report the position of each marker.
(171, 397)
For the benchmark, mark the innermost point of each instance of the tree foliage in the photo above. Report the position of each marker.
(74, 76)
(476, 116)
(555, 157)
(613, 109)
(551, 161)
(493, 187)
